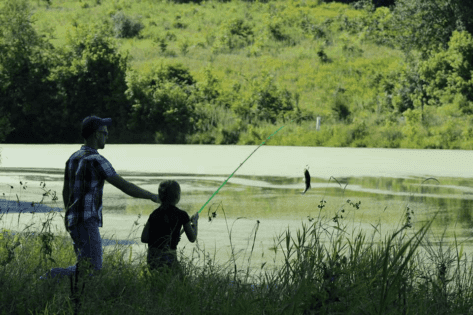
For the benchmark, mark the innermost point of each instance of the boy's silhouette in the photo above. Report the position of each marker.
(162, 231)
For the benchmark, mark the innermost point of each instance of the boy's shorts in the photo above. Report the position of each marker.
(158, 258)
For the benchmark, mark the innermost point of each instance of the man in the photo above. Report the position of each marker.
(86, 171)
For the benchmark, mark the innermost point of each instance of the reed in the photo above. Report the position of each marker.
(326, 270)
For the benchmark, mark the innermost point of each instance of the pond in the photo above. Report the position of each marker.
(366, 189)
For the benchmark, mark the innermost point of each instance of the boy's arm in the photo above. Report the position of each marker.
(191, 228)
(145, 234)
(191, 231)
(193, 220)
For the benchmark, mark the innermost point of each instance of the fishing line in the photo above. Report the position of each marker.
(223, 184)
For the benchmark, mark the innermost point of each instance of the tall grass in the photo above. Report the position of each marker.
(329, 267)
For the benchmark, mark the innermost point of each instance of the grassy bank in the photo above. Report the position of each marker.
(326, 271)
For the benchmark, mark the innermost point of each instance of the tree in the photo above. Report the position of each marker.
(426, 24)
(91, 80)
(163, 106)
(448, 75)
(375, 3)
(25, 61)
(263, 100)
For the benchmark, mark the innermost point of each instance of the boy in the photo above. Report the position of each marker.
(162, 231)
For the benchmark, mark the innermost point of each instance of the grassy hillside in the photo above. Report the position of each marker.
(320, 59)
(194, 35)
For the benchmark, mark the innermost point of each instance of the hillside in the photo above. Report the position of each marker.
(233, 72)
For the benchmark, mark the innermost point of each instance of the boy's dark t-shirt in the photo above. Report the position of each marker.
(165, 226)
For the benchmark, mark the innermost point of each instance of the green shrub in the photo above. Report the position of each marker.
(340, 107)
(322, 55)
(233, 34)
(264, 101)
(125, 27)
(90, 76)
(214, 124)
(309, 26)
(396, 89)
(162, 103)
(427, 24)
(358, 134)
(26, 93)
(377, 26)
(228, 134)
(174, 72)
(178, 23)
(448, 74)
(277, 28)
(414, 131)
(186, 1)
(388, 135)
(350, 47)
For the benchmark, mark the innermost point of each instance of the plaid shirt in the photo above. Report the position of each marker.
(86, 171)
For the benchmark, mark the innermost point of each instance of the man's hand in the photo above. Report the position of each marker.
(155, 198)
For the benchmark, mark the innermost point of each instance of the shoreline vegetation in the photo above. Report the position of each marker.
(325, 271)
(231, 72)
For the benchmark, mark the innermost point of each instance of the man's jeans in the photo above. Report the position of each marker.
(87, 244)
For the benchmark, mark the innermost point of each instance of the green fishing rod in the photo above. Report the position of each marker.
(223, 184)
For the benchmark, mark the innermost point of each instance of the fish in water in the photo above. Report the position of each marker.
(307, 179)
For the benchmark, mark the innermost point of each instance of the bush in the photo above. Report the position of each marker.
(309, 26)
(5, 126)
(276, 26)
(233, 34)
(228, 134)
(340, 106)
(263, 101)
(26, 94)
(125, 27)
(448, 74)
(90, 77)
(427, 24)
(186, 1)
(414, 131)
(322, 55)
(162, 103)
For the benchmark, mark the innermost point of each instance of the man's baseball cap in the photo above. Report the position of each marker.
(90, 124)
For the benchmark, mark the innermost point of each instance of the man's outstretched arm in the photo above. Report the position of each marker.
(131, 189)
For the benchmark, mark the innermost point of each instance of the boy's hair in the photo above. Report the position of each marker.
(169, 191)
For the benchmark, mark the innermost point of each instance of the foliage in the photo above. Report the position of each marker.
(186, 1)
(233, 34)
(254, 63)
(5, 126)
(90, 76)
(377, 26)
(25, 92)
(375, 3)
(125, 27)
(423, 25)
(264, 101)
(414, 131)
(330, 265)
(448, 75)
(162, 103)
